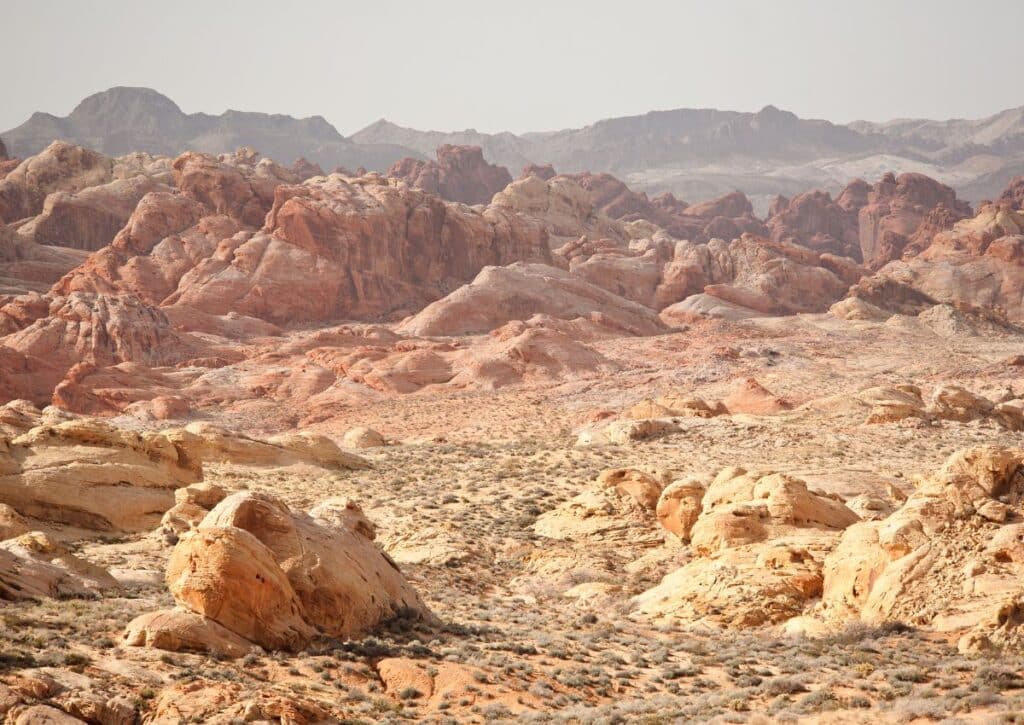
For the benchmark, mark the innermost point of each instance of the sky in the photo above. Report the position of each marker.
(518, 65)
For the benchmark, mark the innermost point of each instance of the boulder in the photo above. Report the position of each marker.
(679, 506)
(313, 572)
(618, 507)
(758, 541)
(362, 437)
(180, 630)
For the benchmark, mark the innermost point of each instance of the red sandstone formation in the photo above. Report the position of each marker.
(459, 174)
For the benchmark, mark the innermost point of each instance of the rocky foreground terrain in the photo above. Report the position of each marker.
(444, 444)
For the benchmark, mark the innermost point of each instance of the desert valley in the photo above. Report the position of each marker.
(450, 441)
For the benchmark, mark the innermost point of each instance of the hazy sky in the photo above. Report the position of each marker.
(519, 65)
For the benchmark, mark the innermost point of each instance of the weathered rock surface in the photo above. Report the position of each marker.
(92, 475)
(904, 210)
(976, 265)
(620, 505)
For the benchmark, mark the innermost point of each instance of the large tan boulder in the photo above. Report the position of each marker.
(679, 506)
(275, 577)
(362, 437)
(180, 630)
(228, 575)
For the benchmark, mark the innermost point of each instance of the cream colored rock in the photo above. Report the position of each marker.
(758, 542)
(854, 308)
(207, 442)
(679, 506)
(892, 404)
(179, 630)
(739, 587)
(12, 524)
(192, 503)
(744, 508)
(35, 566)
(642, 487)
(950, 553)
(623, 432)
(619, 505)
(91, 474)
(363, 437)
(954, 402)
(228, 575)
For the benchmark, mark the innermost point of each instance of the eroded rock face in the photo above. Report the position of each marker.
(459, 174)
(978, 264)
(948, 556)
(320, 256)
(88, 219)
(60, 167)
(814, 220)
(274, 577)
(620, 505)
(563, 208)
(79, 333)
(238, 186)
(899, 212)
(1013, 194)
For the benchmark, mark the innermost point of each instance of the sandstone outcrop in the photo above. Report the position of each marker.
(316, 572)
(759, 542)
(945, 559)
(519, 291)
(61, 167)
(362, 437)
(563, 208)
(891, 404)
(976, 265)
(620, 505)
(899, 212)
(34, 566)
(210, 443)
(92, 475)
(80, 333)
(815, 221)
(319, 256)
(1013, 194)
(459, 174)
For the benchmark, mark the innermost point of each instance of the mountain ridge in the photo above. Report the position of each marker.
(693, 152)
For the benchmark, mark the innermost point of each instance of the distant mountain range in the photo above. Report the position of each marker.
(695, 153)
